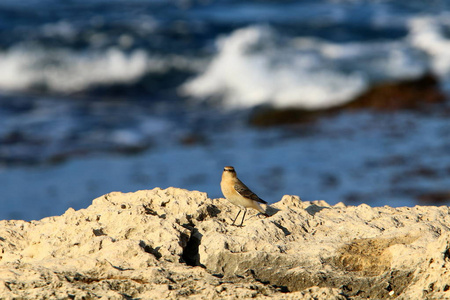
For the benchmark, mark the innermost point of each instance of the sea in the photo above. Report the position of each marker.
(123, 95)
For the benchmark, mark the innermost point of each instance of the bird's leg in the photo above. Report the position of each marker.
(243, 217)
(236, 216)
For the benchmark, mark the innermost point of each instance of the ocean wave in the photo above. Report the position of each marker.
(66, 71)
(254, 65)
(430, 35)
(257, 66)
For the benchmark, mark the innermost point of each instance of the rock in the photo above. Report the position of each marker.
(406, 94)
(270, 116)
(176, 244)
(435, 198)
(387, 96)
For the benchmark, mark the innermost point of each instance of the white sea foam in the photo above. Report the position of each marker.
(428, 34)
(68, 71)
(255, 66)
(250, 70)
(379, 61)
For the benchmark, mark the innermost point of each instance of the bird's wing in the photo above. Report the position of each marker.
(245, 192)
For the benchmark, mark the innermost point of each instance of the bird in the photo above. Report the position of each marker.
(239, 194)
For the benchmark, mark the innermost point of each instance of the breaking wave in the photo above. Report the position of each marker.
(65, 70)
(256, 66)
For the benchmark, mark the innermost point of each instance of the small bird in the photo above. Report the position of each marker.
(239, 194)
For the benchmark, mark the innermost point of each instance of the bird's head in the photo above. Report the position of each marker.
(229, 172)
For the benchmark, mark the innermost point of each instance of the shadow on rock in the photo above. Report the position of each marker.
(271, 210)
(313, 209)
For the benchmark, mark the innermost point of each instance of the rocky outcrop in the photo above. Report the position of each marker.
(410, 94)
(176, 244)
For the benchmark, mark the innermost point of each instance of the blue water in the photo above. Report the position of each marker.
(92, 78)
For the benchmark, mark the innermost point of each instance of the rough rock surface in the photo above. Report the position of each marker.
(177, 244)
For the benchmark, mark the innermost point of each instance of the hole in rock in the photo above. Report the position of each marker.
(149, 211)
(190, 253)
(447, 254)
(284, 229)
(281, 288)
(213, 211)
(98, 232)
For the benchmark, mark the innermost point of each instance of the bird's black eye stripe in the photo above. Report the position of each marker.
(229, 170)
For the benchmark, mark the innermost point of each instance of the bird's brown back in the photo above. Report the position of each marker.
(244, 191)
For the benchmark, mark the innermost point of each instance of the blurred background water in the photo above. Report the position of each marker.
(121, 95)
